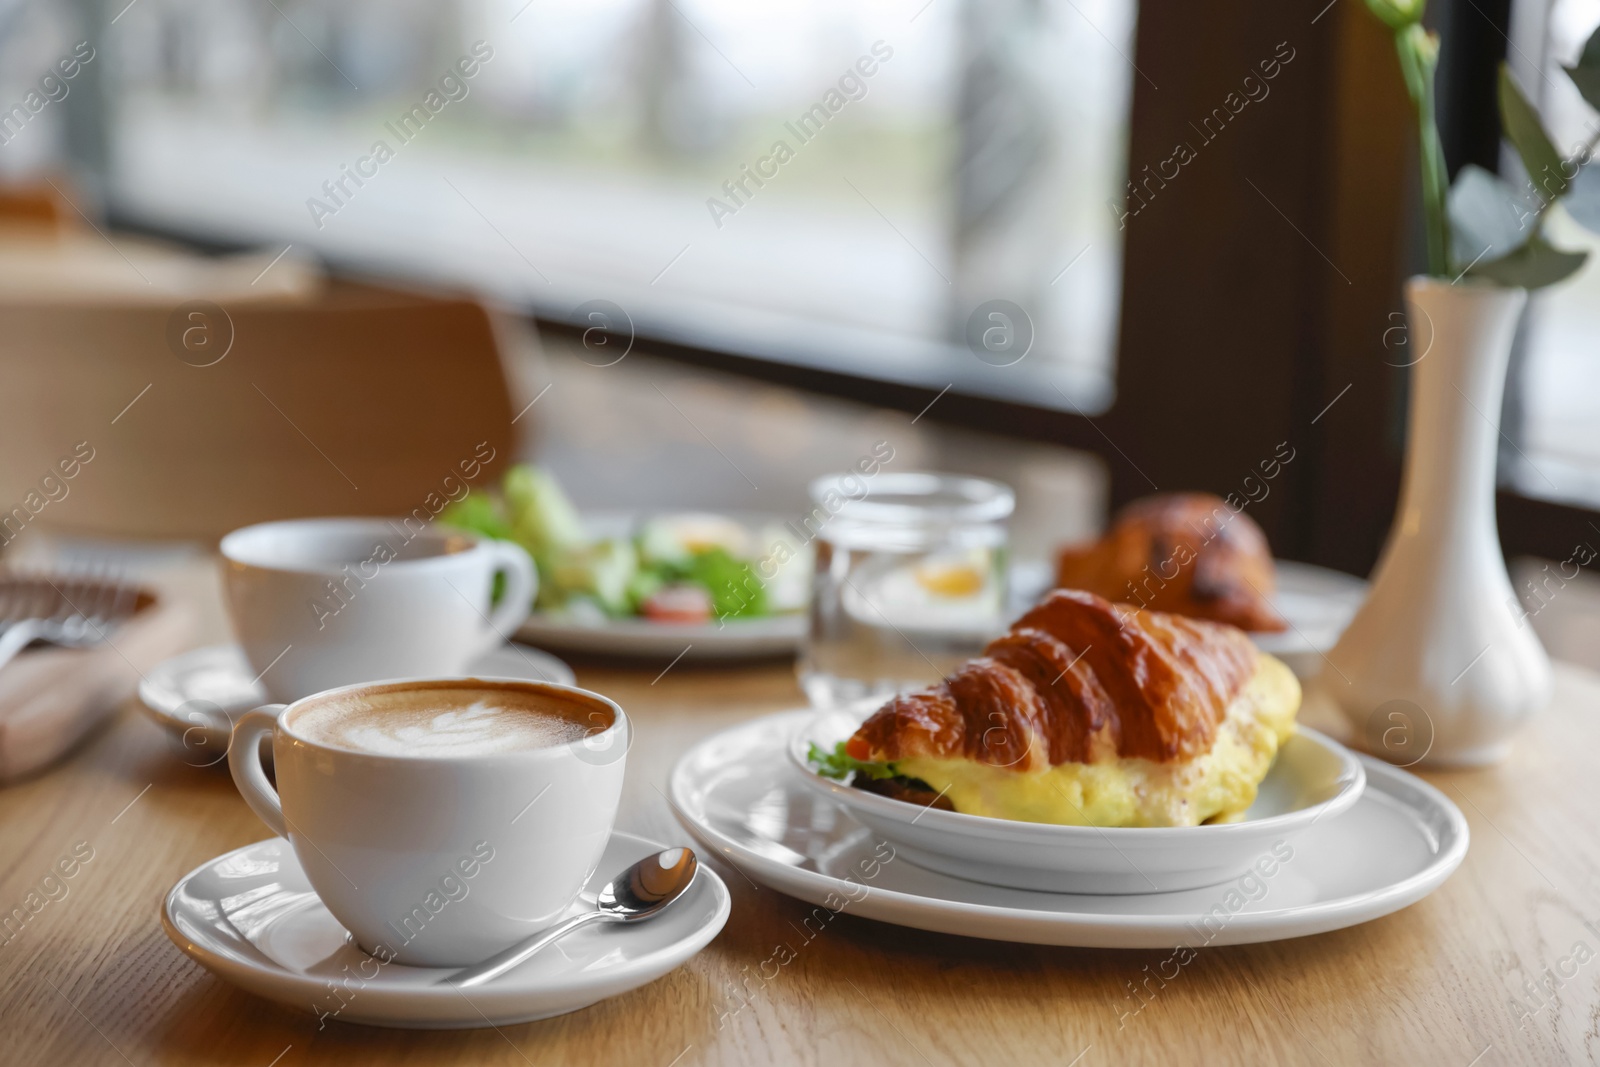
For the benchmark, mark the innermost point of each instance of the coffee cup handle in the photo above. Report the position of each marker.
(522, 583)
(244, 764)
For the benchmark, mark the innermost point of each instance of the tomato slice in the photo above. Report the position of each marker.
(678, 603)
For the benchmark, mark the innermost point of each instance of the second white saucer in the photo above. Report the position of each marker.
(197, 696)
(252, 918)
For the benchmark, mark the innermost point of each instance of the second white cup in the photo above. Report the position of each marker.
(319, 603)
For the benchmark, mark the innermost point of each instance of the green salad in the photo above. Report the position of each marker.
(689, 568)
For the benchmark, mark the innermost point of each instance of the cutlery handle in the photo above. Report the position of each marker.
(495, 966)
(15, 638)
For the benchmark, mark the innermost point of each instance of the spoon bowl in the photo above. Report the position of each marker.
(641, 892)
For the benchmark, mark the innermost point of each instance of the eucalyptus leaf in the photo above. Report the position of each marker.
(1583, 198)
(1533, 266)
(1586, 75)
(1545, 166)
(1488, 216)
(1397, 14)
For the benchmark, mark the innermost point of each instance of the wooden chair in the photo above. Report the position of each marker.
(188, 420)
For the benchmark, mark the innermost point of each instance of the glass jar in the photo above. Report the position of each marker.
(910, 580)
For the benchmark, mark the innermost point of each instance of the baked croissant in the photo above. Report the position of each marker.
(1090, 713)
(1188, 553)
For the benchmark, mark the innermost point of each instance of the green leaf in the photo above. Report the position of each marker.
(1533, 266)
(1545, 166)
(837, 765)
(480, 513)
(1586, 75)
(1488, 217)
(736, 591)
(1397, 14)
(1583, 199)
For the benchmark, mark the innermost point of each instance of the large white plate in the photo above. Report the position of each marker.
(252, 918)
(740, 797)
(772, 635)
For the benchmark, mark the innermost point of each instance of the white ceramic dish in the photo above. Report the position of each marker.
(771, 635)
(198, 695)
(775, 635)
(251, 918)
(1313, 778)
(740, 795)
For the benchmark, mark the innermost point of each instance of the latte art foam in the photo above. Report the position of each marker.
(444, 720)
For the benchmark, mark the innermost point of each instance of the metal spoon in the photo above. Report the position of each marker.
(641, 892)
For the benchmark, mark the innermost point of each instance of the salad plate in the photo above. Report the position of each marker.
(197, 696)
(252, 918)
(594, 633)
(740, 794)
(1312, 778)
(629, 583)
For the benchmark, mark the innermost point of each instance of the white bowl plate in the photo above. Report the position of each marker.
(1313, 778)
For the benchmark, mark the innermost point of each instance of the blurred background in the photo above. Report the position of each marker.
(1176, 321)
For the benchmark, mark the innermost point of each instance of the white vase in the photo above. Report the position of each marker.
(1440, 665)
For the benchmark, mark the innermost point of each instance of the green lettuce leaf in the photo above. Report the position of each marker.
(838, 765)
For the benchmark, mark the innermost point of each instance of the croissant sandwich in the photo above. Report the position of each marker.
(1086, 713)
(1189, 553)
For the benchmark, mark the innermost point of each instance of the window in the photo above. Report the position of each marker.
(1558, 454)
(842, 183)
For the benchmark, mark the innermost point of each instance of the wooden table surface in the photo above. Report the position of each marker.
(1495, 967)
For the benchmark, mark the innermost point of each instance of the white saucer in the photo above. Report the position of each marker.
(251, 918)
(739, 795)
(1313, 778)
(198, 695)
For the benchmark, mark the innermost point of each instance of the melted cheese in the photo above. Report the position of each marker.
(1217, 786)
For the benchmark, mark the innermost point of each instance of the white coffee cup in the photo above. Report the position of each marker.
(318, 603)
(438, 860)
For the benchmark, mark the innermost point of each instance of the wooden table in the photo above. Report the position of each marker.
(91, 979)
